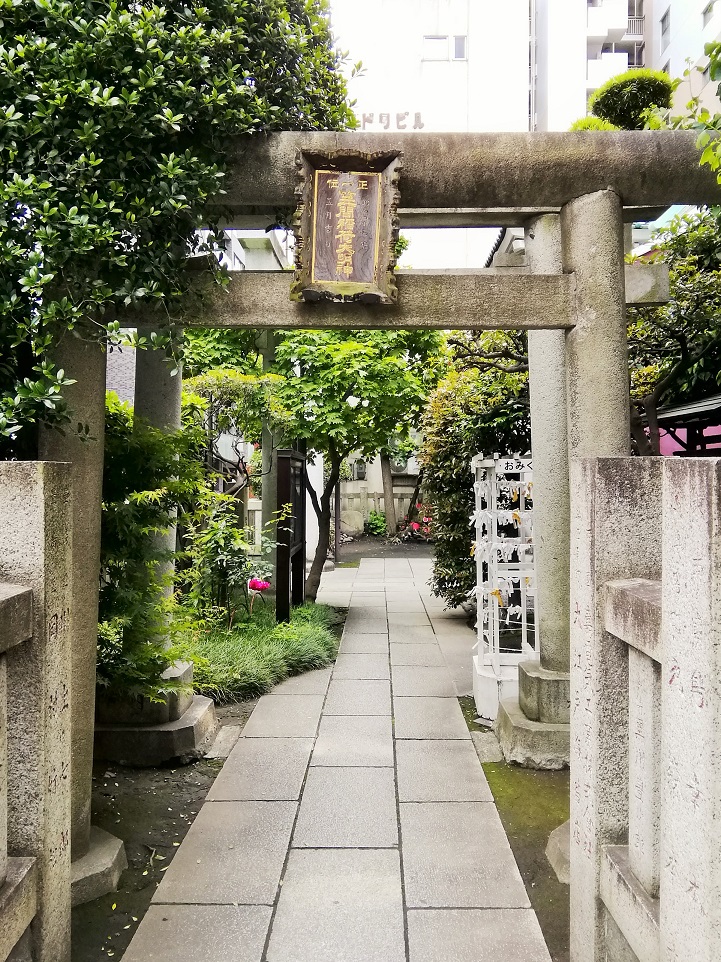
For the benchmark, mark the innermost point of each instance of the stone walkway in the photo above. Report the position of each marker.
(352, 822)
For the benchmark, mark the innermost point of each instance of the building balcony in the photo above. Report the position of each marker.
(634, 30)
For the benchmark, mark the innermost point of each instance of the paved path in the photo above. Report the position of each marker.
(352, 822)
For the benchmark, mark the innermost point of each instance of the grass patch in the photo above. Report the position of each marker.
(253, 656)
(470, 713)
(348, 564)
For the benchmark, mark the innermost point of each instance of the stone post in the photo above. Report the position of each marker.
(616, 529)
(83, 360)
(691, 710)
(36, 551)
(157, 402)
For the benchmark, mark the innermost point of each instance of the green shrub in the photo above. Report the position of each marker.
(592, 123)
(469, 413)
(252, 657)
(623, 100)
(376, 523)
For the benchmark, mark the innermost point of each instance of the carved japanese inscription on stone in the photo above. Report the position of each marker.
(346, 228)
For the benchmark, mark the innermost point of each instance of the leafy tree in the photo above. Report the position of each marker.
(114, 117)
(352, 391)
(472, 411)
(623, 100)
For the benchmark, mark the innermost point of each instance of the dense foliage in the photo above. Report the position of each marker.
(113, 120)
(623, 100)
(470, 412)
(592, 123)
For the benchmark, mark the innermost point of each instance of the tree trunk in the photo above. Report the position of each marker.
(654, 434)
(388, 499)
(638, 433)
(323, 513)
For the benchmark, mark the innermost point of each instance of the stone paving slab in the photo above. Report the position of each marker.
(414, 681)
(293, 716)
(440, 771)
(263, 769)
(347, 808)
(456, 855)
(350, 697)
(361, 620)
(408, 618)
(411, 634)
(429, 718)
(353, 644)
(362, 667)
(350, 740)
(426, 655)
(475, 935)
(309, 683)
(340, 906)
(233, 854)
(200, 933)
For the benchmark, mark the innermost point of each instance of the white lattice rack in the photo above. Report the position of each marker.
(505, 579)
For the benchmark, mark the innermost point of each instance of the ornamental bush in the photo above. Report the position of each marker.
(470, 412)
(623, 99)
(592, 123)
(114, 116)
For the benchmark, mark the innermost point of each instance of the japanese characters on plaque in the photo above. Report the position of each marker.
(346, 228)
(388, 121)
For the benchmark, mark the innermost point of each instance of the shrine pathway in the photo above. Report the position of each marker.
(352, 822)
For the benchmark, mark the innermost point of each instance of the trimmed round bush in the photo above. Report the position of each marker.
(592, 123)
(623, 99)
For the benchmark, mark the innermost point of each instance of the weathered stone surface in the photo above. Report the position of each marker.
(98, 871)
(233, 854)
(645, 168)
(224, 741)
(263, 769)
(309, 683)
(405, 619)
(35, 520)
(292, 716)
(529, 743)
(185, 739)
(632, 612)
(411, 634)
(350, 697)
(440, 771)
(261, 299)
(362, 667)
(558, 852)
(487, 747)
(340, 906)
(426, 717)
(137, 710)
(414, 681)
(353, 644)
(85, 361)
(474, 935)
(18, 902)
(350, 740)
(544, 695)
(16, 615)
(647, 284)
(347, 808)
(426, 655)
(632, 909)
(200, 933)
(457, 855)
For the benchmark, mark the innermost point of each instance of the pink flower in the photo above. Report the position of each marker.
(415, 526)
(255, 584)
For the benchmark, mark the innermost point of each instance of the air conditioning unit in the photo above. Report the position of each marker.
(399, 467)
(359, 470)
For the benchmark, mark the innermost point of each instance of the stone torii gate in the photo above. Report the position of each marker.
(572, 193)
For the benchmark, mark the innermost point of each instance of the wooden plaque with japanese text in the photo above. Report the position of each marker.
(346, 227)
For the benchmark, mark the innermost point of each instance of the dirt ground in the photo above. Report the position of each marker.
(151, 810)
(373, 546)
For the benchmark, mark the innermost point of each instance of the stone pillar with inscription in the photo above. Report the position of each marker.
(36, 517)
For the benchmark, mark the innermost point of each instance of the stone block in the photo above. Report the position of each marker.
(184, 740)
(529, 743)
(16, 615)
(200, 933)
(98, 871)
(18, 902)
(263, 769)
(487, 747)
(635, 913)
(350, 697)
(544, 696)
(558, 852)
(233, 854)
(224, 741)
(289, 716)
(354, 740)
(429, 718)
(138, 710)
(476, 935)
(351, 522)
(632, 612)
(456, 855)
(340, 906)
(347, 808)
(440, 771)
(415, 681)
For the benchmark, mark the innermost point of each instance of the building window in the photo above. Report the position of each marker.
(460, 48)
(707, 12)
(665, 29)
(667, 68)
(706, 74)
(635, 8)
(435, 48)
